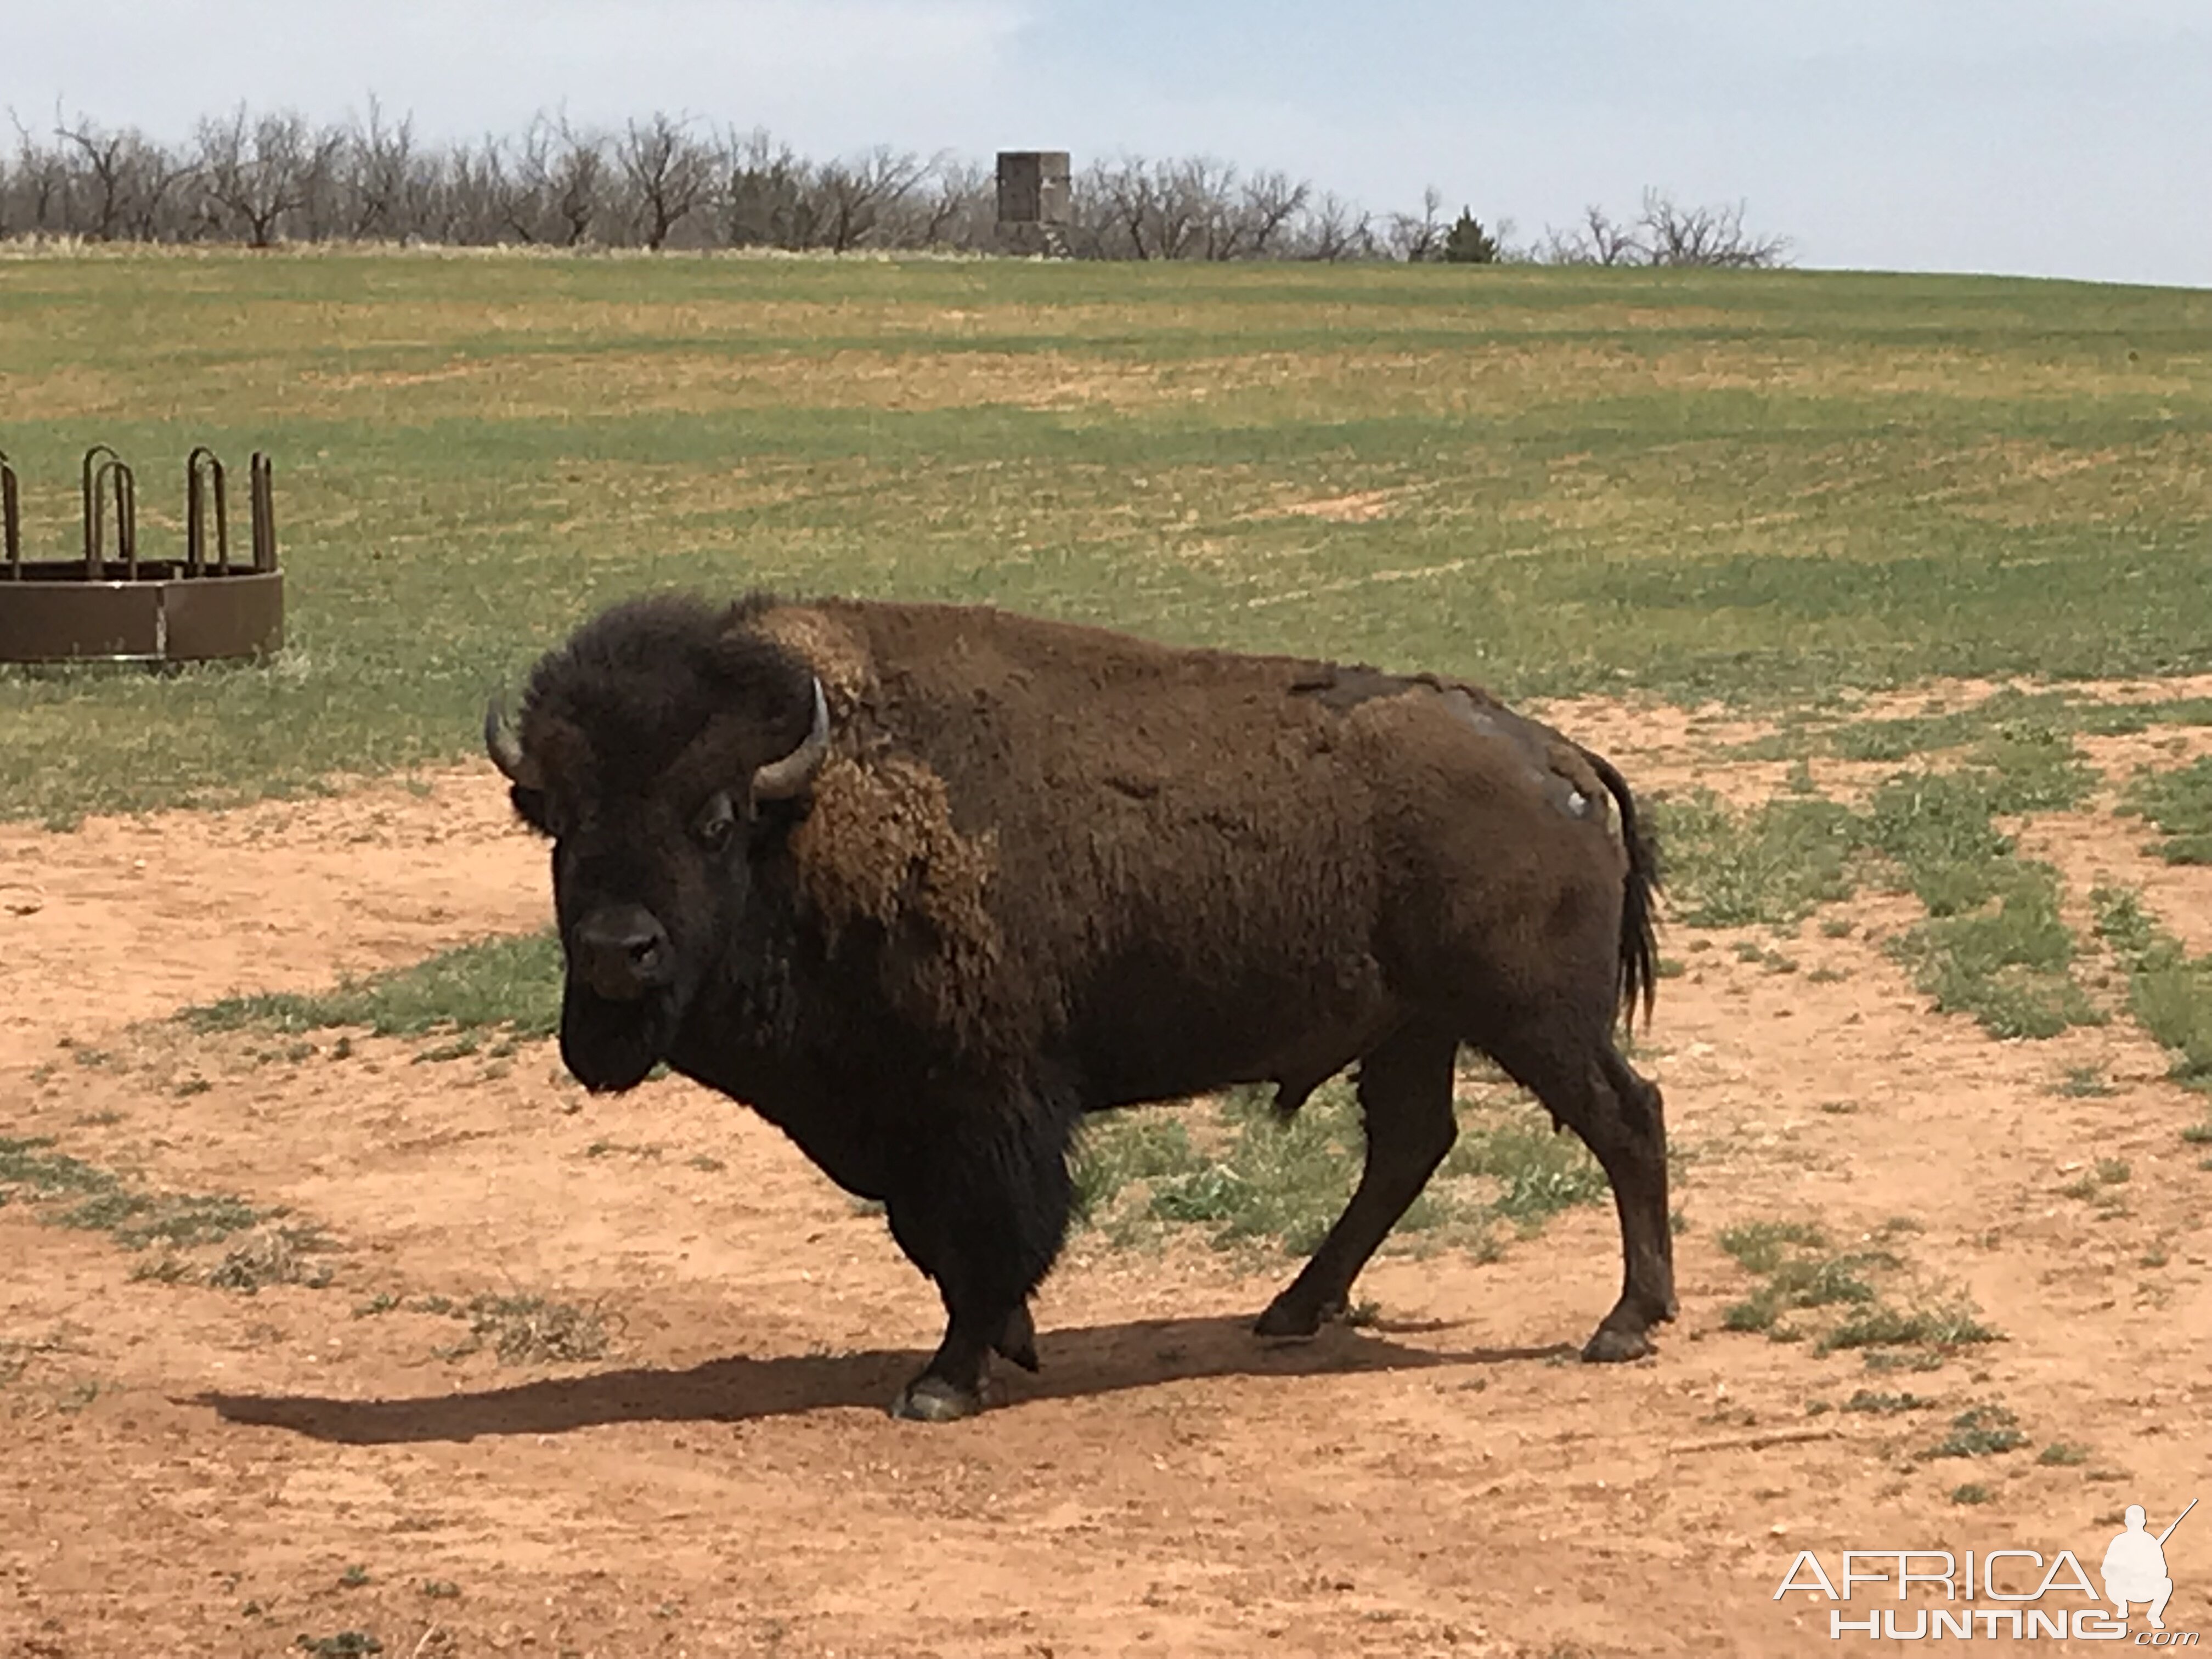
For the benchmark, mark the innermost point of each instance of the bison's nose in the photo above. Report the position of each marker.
(622, 952)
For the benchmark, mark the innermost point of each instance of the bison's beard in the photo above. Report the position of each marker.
(611, 1046)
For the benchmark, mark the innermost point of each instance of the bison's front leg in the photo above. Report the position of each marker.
(981, 1211)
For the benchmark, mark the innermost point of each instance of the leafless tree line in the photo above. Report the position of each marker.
(673, 182)
(1664, 233)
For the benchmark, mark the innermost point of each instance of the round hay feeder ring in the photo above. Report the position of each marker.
(111, 605)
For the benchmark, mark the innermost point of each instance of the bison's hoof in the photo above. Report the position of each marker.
(1287, 1317)
(933, 1399)
(1611, 1347)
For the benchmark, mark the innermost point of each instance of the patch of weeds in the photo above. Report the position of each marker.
(137, 1219)
(1935, 827)
(440, 1590)
(2169, 991)
(346, 1644)
(1799, 1273)
(1839, 1107)
(2062, 1454)
(2008, 965)
(1538, 1173)
(1774, 863)
(648, 1153)
(2029, 767)
(530, 1330)
(1825, 974)
(460, 1048)
(1759, 1246)
(1836, 927)
(1806, 1281)
(162, 1270)
(1879, 1325)
(2083, 1083)
(1279, 1181)
(2179, 802)
(273, 1255)
(512, 982)
(1980, 1431)
(353, 1576)
(1145, 1144)
(1905, 1359)
(1868, 1400)
(1971, 1493)
(29, 1169)
(706, 1163)
(382, 1303)
(2094, 1185)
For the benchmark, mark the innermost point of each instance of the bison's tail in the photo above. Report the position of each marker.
(1637, 978)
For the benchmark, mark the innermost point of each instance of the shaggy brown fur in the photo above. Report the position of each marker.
(1045, 870)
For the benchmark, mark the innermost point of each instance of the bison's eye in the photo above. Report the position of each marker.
(717, 820)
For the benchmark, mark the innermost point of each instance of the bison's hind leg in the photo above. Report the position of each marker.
(982, 1207)
(1585, 1083)
(1405, 1099)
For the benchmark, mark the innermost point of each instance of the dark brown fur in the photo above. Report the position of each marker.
(1049, 870)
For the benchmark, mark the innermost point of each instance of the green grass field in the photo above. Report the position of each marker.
(1764, 486)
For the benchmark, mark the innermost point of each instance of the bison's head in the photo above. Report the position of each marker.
(654, 749)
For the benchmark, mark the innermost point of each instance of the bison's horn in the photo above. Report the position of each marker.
(780, 780)
(506, 750)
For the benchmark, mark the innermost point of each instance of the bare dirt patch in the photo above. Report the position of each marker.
(131, 918)
(193, 1468)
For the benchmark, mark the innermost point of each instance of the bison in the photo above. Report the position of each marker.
(924, 884)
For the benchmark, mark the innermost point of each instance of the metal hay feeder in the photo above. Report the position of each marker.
(111, 605)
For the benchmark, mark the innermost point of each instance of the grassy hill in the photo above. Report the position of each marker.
(1768, 486)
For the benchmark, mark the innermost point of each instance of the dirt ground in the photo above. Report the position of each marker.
(186, 1469)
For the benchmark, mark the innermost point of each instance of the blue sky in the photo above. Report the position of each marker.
(2053, 138)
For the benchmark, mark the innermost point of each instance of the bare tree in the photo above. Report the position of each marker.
(383, 176)
(768, 194)
(1415, 238)
(129, 178)
(1269, 202)
(41, 182)
(267, 177)
(1337, 229)
(256, 172)
(1712, 236)
(1598, 240)
(961, 208)
(855, 192)
(668, 171)
(576, 180)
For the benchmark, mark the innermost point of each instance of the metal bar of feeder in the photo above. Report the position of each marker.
(263, 493)
(202, 465)
(126, 518)
(95, 508)
(11, 524)
(222, 516)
